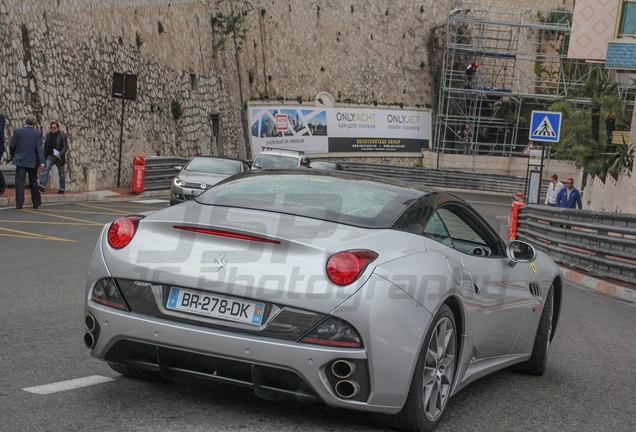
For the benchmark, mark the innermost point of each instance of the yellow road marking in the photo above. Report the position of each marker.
(24, 234)
(79, 212)
(49, 223)
(41, 212)
(126, 212)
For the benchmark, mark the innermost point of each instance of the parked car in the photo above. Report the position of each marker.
(271, 157)
(364, 293)
(200, 174)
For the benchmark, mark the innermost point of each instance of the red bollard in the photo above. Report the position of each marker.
(139, 173)
(514, 219)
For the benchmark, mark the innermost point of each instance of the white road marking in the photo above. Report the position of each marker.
(152, 201)
(68, 385)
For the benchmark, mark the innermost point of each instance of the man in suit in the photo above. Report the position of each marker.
(25, 150)
(3, 184)
(569, 197)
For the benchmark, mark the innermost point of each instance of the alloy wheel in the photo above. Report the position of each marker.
(439, 369)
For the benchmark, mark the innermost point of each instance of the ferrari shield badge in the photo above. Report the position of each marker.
(534, 268)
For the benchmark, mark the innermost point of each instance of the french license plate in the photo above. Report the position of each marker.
(215, 306)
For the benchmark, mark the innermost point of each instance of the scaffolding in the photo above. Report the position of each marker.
(523, 66)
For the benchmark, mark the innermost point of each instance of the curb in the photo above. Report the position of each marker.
(100, 195)
(620, 292)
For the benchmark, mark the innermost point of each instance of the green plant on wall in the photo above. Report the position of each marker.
(138, 39)
(621, 158)
(177, 110)
(228, 26)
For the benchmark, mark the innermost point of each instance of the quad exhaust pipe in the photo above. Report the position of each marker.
(90, 322)
(89, 340)
(92, 331)
(343, 369)
(347, 389)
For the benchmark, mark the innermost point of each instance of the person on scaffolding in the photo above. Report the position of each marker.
(469, 73)
(467, 138)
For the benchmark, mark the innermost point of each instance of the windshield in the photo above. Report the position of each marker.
(275, 161)
(214, 166)
(357, 202)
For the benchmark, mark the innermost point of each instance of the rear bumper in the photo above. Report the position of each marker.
(274, 369)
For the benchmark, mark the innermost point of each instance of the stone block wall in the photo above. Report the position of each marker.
(58, 58)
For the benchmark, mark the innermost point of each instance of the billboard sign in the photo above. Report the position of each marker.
(339, 129)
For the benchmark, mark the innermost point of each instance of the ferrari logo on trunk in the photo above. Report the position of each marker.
(220, 261)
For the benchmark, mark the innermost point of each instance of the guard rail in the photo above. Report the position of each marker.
(160, 171)
(601, 243)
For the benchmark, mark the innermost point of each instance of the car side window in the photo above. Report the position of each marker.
(468, 234)
(436, 230)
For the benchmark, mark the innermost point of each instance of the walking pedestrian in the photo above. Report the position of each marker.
(55, 148)
(569, 197)
(3, 184)
(553, 190)
(25, 150)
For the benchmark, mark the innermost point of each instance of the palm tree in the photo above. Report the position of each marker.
(594, 89)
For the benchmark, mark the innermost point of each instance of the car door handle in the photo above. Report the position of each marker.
(476, 288)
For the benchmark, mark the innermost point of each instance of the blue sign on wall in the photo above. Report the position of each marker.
(545, 126)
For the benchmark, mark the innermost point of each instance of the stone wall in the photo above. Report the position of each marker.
(58, 59)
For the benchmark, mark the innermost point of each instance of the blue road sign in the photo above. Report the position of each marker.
(545, 126)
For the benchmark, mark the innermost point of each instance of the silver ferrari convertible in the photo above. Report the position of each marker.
(360, 292)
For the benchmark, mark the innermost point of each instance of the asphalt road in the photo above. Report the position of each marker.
(590, 384)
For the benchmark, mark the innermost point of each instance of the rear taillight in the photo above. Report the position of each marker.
(345, 267)
(106, 292)
(334, 332)
(122, 230)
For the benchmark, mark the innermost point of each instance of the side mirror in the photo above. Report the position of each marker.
(178, 168)
(519, 251)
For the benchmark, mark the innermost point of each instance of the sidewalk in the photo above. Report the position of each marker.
(614, 289)
(51, 196)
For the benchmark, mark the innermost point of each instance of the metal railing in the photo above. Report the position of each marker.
(160, 171)
(601, 243)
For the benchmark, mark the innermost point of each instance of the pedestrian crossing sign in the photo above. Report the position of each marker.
(545, 126)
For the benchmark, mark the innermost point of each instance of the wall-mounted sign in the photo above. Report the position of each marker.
(339, 129)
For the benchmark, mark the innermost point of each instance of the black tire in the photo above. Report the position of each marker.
(133, 372)
(433, 376)
(538, 361)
